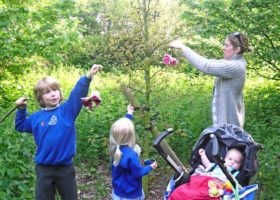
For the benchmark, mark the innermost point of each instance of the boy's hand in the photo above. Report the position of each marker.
(21, 103)
(94, 69)
(154, 165)
(130, 109)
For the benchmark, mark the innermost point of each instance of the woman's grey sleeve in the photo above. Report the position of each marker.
(220, 68)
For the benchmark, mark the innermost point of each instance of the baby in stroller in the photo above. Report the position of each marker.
(233, 161)
(208, 180)
(213, 152)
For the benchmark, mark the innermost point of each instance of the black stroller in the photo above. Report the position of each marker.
(216, 140)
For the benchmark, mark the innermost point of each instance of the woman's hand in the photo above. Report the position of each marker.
(177, 44)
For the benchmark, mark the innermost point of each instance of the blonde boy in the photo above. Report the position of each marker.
(53, 128)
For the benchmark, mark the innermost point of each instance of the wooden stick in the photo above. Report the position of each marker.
(10, 112)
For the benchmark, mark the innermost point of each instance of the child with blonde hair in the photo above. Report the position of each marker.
(53, 128)
(127, 171)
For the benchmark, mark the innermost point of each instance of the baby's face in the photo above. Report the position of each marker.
(234, 159)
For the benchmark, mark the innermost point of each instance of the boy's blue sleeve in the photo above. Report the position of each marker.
(74, 104)
(22, 122)
(129, 116)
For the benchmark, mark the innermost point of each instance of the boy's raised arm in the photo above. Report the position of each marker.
(74, 103)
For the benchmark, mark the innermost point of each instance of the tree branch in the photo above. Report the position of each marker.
(274, 67)
(128, 93)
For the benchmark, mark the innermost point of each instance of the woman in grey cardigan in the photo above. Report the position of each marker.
(227, 103)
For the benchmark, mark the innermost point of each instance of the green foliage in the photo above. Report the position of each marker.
(36, 32)
(262, 121)
(49, 33)
(123, 46)
(17, 170)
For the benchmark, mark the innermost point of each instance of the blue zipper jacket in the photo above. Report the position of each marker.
(127, 176)
(54, 130)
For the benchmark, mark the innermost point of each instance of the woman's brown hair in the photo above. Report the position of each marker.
(238, 39)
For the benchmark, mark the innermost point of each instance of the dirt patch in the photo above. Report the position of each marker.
(98, 185)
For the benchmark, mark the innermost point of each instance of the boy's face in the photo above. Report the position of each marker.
(234, 159)
(51, 98)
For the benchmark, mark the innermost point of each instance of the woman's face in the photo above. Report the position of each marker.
(229, 50)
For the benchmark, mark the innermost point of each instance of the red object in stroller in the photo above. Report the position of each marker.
(216, 140)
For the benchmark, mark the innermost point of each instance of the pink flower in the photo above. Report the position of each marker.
(169, 60)
(95, 97)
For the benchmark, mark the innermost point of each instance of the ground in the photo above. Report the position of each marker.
(98, 185)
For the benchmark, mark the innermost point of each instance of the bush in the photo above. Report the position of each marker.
(17, 170)
(262, 121)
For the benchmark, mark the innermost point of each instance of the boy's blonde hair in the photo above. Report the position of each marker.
(45, 85)
(122, 133)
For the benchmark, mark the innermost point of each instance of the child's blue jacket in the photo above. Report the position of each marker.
(54, 130)
(127, 176)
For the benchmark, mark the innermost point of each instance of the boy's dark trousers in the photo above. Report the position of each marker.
(55, 177)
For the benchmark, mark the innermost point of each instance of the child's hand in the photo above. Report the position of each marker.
(21, 103)
(201, 152)
(130, 109)
(94, 69)
(154, 165)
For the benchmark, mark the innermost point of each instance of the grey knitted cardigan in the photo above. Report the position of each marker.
(228, 100)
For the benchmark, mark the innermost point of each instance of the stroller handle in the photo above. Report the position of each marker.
(215, 145)
(219, 161)
(163, 135)
(167, 153)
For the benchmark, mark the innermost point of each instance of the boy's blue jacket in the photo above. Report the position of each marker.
(127, 176)
(54, 130)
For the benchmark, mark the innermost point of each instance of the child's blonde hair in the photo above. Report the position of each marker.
(122, 133)
(45, 85)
